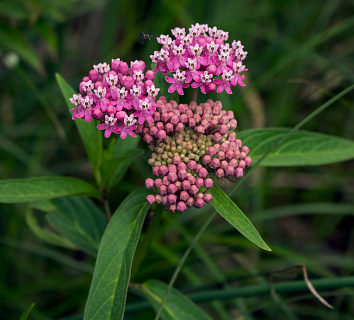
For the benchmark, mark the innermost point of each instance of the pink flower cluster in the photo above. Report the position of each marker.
(198, 57)
(191, 144)
(119, 96)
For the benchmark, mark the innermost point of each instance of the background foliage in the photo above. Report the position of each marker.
(300, 55)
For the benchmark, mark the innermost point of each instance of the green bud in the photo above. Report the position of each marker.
(151, 161)
(197, 158)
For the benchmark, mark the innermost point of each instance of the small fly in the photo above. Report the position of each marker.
(147, 36)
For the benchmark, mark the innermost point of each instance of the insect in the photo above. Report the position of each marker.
(147, 36)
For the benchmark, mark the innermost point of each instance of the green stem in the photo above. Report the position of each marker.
(206, 224)
(149, 237)
(255, 290)
(195, 94)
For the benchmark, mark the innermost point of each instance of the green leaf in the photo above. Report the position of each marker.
(44, 234)
(12, 40)
(233, 215)
(109, 285)
(111, 169)
(32, 189)
(302, 148)
(80, 221)
(90, 135)
(25, 315)
(177, 305)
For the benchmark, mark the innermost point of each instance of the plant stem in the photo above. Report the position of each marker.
(195, 94)
(107, 209)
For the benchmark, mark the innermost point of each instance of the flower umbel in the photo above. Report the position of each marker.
(115, 94)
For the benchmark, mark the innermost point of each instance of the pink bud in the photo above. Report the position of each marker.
(206, 159)
(172, 168)
(149, 183)
(199, 203)
(233, 162)
(178, 185)
(229, 170)
(157, 116)
(161, 135)
(245, 149)
(208, 197)
(147, 138)
(163, 190)
(181, 206)
(158, 198)
(123, 68)
(179, 127)
(173, 208)
(223, 129)
(186, 185)
(158, 183)
(223, 164)
(229, 154)
(211, 151)
(183, 118)
(172, 177)
(111, 110)
(217, 137)
(184, 195)
(97, 114)
(182, 174)
(211, 69)
(128, 82)
(243, 155)
(135, 67)
(231, 136)
(239, 172)
(193, 190)
(199, 182)
(165, 200)
(203, 173)
(172, 199)
(181, 166)
(156, 171)
(221, 155)
(98, 84)
(242, 164)
(191, 122)
(219, 173)
(160, 125)
(190, 201)
(182, 108)
(169, 127)
(150, 199)
(163, 170)
(211, 87)
(93, 75)
(189, 113)
(172, 188)
(248, 161)
(208, 183)
(165, 116)
(176, 160)
(153, 130)
(192, 165)
(215, 163)
(174, 119)
(238, 143)
(165, 181)
(115, 64)
(149, 75)
(232, 124)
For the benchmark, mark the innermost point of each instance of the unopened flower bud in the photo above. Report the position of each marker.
(239, 172)
(208, 197)
(181, 206)
(149, 183)
(199, 203)
(150, 199)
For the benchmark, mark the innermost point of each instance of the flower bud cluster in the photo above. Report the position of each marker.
(118, 96)
(191, 143)
(198, 58)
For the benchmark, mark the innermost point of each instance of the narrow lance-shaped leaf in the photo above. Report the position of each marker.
(106, 300)
(80, 221)
(302, 148)
(233, 215)
(177, 305)
(32, 189)
(89, 133)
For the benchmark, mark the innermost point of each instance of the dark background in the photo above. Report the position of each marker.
(300, 54)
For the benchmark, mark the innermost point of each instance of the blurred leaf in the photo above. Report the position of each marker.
(32, 189)
(302, 148)
(13, 9)
(47, 32)
(233, 215)
(111, 169)
(109, 285)
(90, 135)
(46, 235)
(25, 315)
(177, 306)
(80, 221)
(11, 39)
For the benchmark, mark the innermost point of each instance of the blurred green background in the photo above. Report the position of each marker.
(300, 54)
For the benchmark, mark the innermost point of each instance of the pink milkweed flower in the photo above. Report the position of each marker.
(84, 110)
(108, 125)
(176, 82)
(127, 127)
(134, 96)
(76, 99)
(225, 82)
(101, 98)
(102, 68)
(120, 101)
(178, 58)
(192, 73)
(205, 78)
(145, 111)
